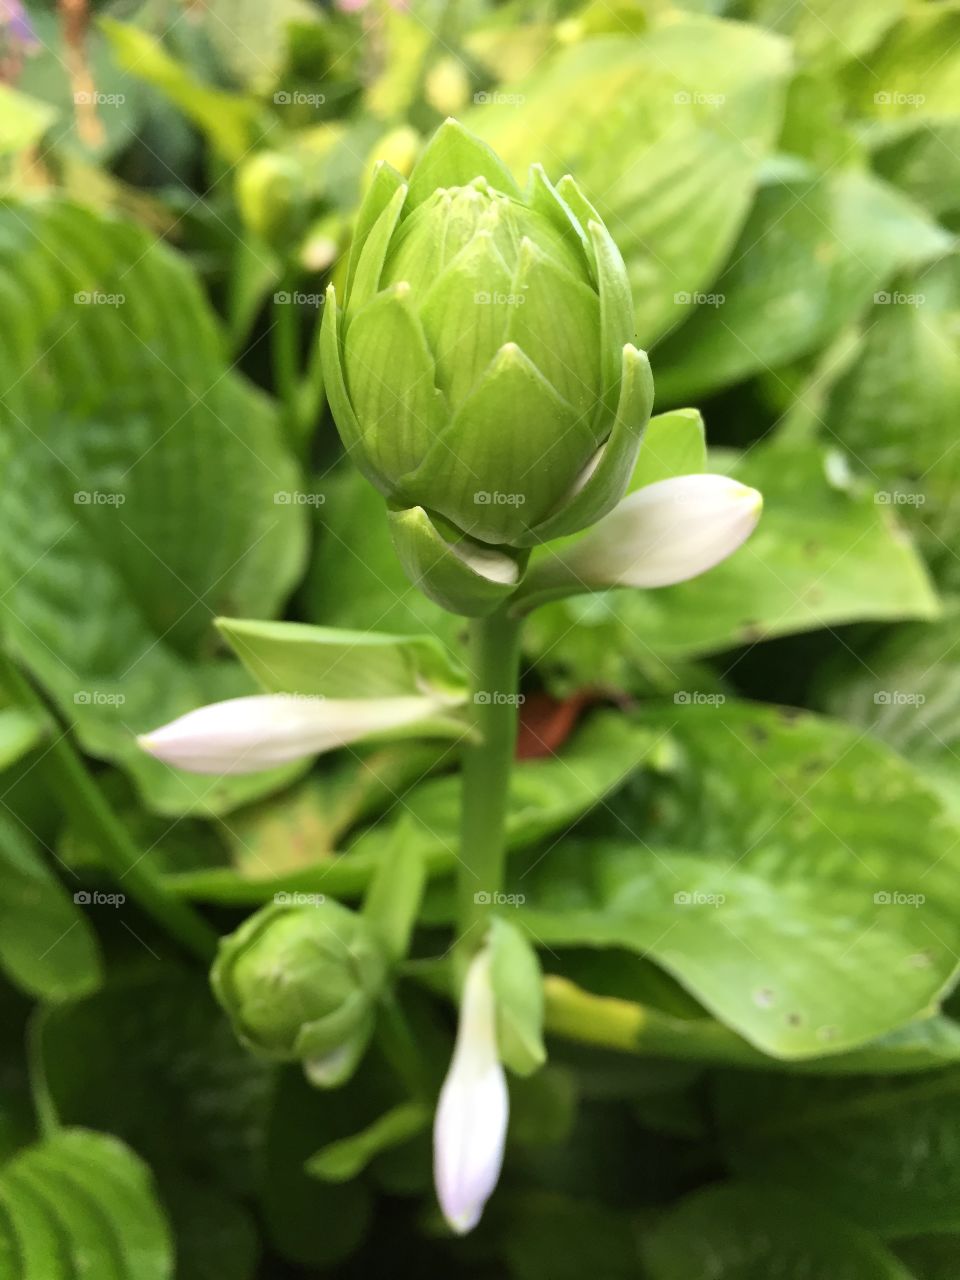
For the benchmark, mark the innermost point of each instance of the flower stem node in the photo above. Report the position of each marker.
(301, 984)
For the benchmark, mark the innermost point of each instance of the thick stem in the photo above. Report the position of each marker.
(71, 782)
(487, 763)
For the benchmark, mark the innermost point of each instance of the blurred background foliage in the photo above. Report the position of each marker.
(762, 1085)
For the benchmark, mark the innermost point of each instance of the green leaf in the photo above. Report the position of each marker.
(345, 1159)
(907, 74)
(674, 444)
(356, 580)
(813, 253)
(557, 1237)
(393, 897)
(807, 923)
(904, 691)
(47, 946)
(670, 165)
(25, 120)
(81, 1203)
(189, 1097)
(751, 1232)
(291, 657)
(229, 121)
(931, 1257)
(518, 995)
(854, 1144)
(824, 553)
(147, 489)
(21, 729)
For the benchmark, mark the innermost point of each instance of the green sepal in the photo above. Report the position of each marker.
(338, 397)
(373, 254)
(462, 576)
(518, 996)
(347, 1158)
(617, 326)
(383, 185)
(544, 197)
(569, 192)
(390, 374)
(559, 318)
(453, 158)
(611, 471)
(513, 417)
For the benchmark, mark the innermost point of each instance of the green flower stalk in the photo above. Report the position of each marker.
(480, 368)
(301, 983)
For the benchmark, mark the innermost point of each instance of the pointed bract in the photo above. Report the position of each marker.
(452, 158)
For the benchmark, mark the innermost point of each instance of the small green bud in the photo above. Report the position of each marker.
(301, 984)
(271, 194)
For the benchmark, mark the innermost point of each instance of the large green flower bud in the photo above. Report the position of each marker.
(300, 983)
(480, 369)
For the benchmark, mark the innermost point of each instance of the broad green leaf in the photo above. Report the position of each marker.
(931, 1257)
(812, 254)
(21, 729)
(24, 120)
(910, 73)
(143, 489)
(922, 158)
(228, 120)
(905, 690)
(291, 657)
(798, 879)
(673, 445)
(348, 1157)
(824, 553)
(745, 1231)
(546, 795)
(355, 579)
(828, 34)
(665, 133)
(188, 1097)
(81, 1203)
(892, 403)
(550, 1236)
(518, 995)
(215, 1234)
(882, 1152)
(47, 945)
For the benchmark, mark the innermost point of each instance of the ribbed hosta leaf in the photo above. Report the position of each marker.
(81, 1204)
(146, 488)
(664, 132)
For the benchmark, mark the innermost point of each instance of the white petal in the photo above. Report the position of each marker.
(243, 735)
(667, 532)
(470, 1128)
